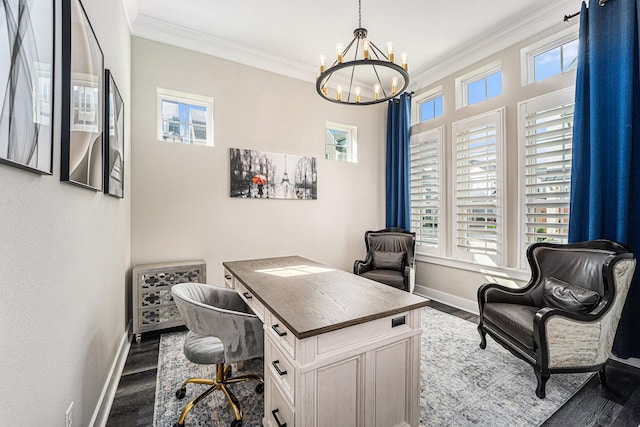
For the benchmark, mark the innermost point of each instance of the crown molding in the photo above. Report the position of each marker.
(175, 35)
(545, 17)
(130, 8)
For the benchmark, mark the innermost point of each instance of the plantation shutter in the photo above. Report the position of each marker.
(426, 189)
(548, 139)
(478, 144)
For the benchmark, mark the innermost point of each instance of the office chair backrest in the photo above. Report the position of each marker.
(220, 312)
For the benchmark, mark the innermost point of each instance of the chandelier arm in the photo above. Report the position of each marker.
(376, 48)
(384, 92)
(353, 70)
(344, 52)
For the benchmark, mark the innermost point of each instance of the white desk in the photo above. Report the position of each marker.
(340, 350)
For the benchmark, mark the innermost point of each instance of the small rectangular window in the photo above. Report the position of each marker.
(340, 142)
(556, 60)
(430, 108)
(185, 118)
(479, 85)
(484, 88)
(551, 56)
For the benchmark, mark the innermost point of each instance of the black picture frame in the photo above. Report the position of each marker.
(82, 115)
(114, 138)
(27, 59)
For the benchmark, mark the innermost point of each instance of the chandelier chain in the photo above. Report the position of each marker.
(359, 13)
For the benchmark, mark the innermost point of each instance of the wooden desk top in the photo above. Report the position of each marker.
(311, 298)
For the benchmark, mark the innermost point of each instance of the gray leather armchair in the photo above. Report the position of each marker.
(565, 318)
(390, 258)
(222, 330)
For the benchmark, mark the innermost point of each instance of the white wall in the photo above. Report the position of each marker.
(65, 253)
(181, 207)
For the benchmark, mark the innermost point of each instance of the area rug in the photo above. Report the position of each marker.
(461, 385)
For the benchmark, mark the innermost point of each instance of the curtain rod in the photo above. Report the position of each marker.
(568, 17)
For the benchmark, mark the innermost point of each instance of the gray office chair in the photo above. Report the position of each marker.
(222, 330)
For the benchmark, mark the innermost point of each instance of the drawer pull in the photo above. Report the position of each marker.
(278, 331)
(398, 321)
(247, 295)
(275, 416)
(228, 277)
(276, 365)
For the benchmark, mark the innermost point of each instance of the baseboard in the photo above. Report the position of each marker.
(632, 361)
(470, 306)
(101, 413)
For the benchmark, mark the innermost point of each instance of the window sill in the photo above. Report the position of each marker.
(501, 272)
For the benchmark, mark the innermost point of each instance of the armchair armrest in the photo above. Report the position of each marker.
(360, 266)
(492, 292)
(572, 339)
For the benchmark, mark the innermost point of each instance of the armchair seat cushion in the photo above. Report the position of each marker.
(388, 277)
(513, 319)
(203, 349)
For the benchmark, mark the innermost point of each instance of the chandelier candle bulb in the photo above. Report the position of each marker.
(357, 94)
(376, 90)
(390, 51)
(322, 66)
(365, 49)
(339, 50)
(394, 84)
(339, 95)
(404, 61)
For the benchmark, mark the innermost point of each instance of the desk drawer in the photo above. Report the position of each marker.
(253, 303)
(229, 279)
(278, 412)
(280, 335)
(280, 369)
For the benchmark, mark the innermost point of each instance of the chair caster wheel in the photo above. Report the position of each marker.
(236, 423)
(260, 388)
(181, 393)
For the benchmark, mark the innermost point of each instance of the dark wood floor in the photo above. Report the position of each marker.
(617, 405)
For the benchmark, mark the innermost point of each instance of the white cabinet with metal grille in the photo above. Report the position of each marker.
(153, 306)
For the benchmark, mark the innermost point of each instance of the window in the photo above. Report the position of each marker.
(484, 88)
(426, 190)
(340, 142)
(185, 118)
(555, 61)
(479, 170)
(479, 85)
(430, 108)
(550, 57)
(546, 129)
(427, 105)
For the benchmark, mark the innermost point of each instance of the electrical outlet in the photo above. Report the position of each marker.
(68, 416)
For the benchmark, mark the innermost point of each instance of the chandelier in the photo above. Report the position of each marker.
(362, 74)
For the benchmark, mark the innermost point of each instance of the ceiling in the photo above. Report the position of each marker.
(287, 36)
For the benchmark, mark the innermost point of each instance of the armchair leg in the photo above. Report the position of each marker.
(483, 338)
(603, 377)
(542, 381)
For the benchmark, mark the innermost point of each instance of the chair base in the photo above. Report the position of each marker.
(221, 382)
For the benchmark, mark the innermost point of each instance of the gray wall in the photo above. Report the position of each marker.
(181, 207)
(65, 253)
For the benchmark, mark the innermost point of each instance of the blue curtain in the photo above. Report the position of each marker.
(605, 178)
(398, 167)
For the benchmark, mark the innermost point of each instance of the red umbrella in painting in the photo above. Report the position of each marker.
(259, 179)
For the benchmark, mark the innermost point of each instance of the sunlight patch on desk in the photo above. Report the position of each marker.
(295, 270)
